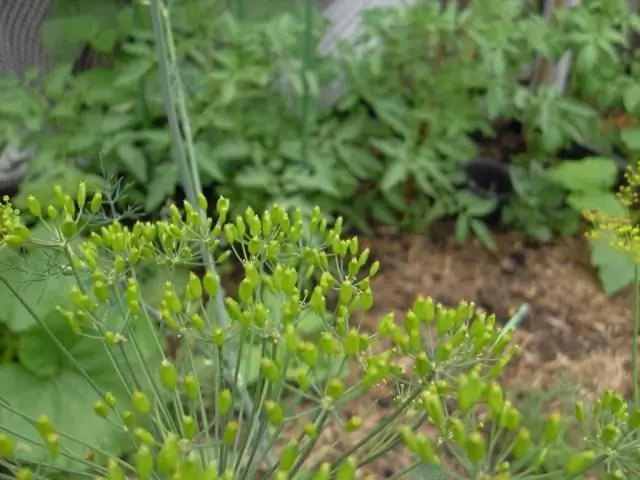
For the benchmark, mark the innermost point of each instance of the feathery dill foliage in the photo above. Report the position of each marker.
(178, 420)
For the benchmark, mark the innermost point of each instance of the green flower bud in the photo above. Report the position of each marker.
(422, 365)
(96, 203)
(317, 301)
(230, 233)
(351, 343)
(522, 444)
(189, 426)
(52, 442)
(34, 206)
(445, 320)
(270, 370)
(191, 387)
(335, 388)
(225, 401)
(552, 428)
(7, 447)
(289, 456)
(444, 351)
(434, 408)
(222, 206)
(24, 474)
(211, 283)
(347, 469)
(255, 246)
(245, 291)
(310, 431)
(198, 323)
(579, 462)
(494, 397)
(230, 433)
(323, 473)
(510, 417)
(609, 434)
(353, 424)
(168, 456)
(274, 412)
(470, 390)
(144, 436)
(194, 288)
(100, 409)
(475, 448)
(141, 403)
(346, 292)
(366, 300)
(44, 426)
(634, 420)
(114, 470)
(143, 462)
(202, 202)
(168, 375)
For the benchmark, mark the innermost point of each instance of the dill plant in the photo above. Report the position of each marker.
(188, 413)
(180, 421)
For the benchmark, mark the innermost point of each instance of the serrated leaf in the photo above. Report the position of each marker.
(134, 160)
(482, 232)
(134, 71)
(396, 174)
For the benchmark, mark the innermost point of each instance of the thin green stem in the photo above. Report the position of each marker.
(184, 152)
(634, 336)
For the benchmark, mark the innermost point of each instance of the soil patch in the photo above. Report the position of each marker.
(571, 326)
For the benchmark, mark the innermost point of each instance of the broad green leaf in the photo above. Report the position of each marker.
(482, 232)
(164, 180)
(208, 165)
(592, 173)
(631, 138)
(134, 160)
(38, 281)
(52, 383)
(235, 149)
(615, 268)
(631, 97)
(604, 202)
(71, 24)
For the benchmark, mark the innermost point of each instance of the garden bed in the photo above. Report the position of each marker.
(573, 336)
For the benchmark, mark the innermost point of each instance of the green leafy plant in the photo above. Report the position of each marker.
(538, 206)
(590, 185)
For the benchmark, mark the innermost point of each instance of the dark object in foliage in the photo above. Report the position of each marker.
(489, 178)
